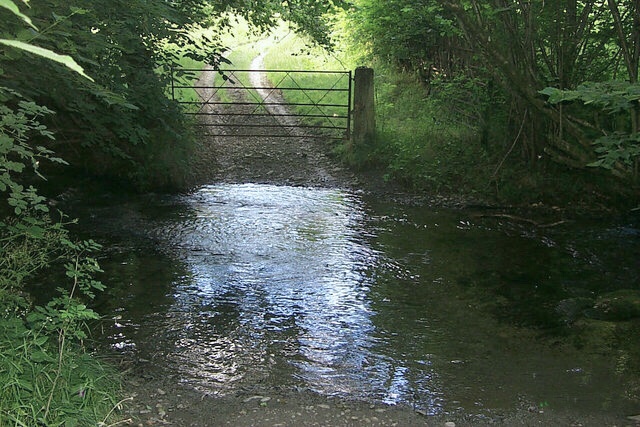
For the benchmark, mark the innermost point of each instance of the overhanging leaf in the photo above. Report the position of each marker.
(65, 60)
(11, 6)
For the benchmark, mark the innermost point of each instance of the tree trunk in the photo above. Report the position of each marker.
(516, 69)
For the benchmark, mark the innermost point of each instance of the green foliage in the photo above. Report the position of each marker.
(611, 96)
(618, 147)
(68, 311)
(11, 7)
(313, 17)
(408, 33)
(26, 233)
(65, 60)
(28, 237)
(43, 380)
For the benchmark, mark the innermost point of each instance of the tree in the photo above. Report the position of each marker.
(618, 146)
(414, 35)
(123, 125)
(534, 44)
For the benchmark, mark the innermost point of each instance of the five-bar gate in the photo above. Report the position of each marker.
(267, 103)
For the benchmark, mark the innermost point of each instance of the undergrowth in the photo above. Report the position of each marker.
(420, 144)
(47, 378)
(43, 384)
(423, 141)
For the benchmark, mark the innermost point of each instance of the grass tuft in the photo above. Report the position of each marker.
(40, 386)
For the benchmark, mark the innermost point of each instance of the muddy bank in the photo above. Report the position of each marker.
(158, 403)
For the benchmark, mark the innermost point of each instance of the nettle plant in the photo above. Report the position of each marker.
(28, 233)
(32, 240)
(38, 368)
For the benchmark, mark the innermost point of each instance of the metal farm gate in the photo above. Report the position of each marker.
(267, 103)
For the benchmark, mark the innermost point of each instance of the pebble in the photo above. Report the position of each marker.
(260, 398)
(449, 424)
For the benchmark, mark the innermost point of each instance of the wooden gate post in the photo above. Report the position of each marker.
(364, 117)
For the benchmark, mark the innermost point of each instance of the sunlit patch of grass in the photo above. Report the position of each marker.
(420, 144)
(326, 93)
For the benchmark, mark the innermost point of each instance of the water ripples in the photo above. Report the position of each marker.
(261, 286)
(276, 273)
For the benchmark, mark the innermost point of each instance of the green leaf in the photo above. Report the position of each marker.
(11, 6)
(78, 11)
(13, 166)
(41, 356)
(41, 340)
(24, 384)
(65, 60)
(36, 232)
(549, 91)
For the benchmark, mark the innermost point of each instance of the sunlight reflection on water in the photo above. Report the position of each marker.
(278, 273)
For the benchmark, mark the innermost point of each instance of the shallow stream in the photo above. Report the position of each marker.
(260, 287)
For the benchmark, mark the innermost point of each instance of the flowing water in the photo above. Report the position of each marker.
(280, 288)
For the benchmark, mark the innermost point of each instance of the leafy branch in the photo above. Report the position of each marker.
(65, 60)
(618, 149)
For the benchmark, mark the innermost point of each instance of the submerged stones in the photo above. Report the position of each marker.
(617, 306)
(603, 323)
(614, 306)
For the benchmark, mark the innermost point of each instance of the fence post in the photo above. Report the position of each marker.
(364, 118)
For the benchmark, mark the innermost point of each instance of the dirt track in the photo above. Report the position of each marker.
(296, 160)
